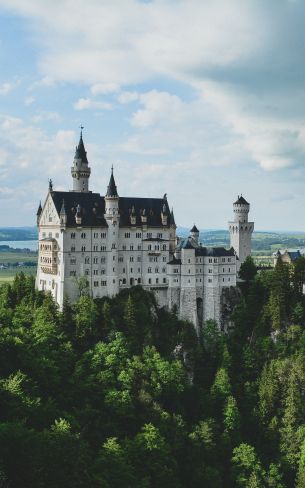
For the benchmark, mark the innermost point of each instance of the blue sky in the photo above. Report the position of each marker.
(199, 99)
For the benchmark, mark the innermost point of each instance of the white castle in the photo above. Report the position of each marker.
(112, 243)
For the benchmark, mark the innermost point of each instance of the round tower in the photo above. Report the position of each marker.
(241, 230)
(112, 218)
(80, 170)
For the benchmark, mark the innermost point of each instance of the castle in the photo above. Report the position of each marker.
(108, 243)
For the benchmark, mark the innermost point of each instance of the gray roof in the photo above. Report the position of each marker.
(194, 229)
(80, 152)
(92, 209)
(112, 189)
(241, 201)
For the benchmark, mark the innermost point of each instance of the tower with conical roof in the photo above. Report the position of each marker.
(241, 230)
(80, 170)
(112, 218)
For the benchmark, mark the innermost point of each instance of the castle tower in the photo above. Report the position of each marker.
(241, 230)
(112, 217)
(80, 170)
(195, 234)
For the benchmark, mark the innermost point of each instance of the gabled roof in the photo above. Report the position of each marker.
(214, 251)
(241, 201)
(92, 208)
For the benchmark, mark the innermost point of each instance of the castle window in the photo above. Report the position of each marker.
(223, 270)
(113, 270)
(189, 271)
(95, 248)
(164, 280)
(131, 270)
(210, 280)
(127, 235)
(113, 281)
(229, 270)
(139, 247)
(95, 272)
(83, 248)
(148, 235)
(163, 270)
(72, 248)
(113, 258)
(103, 235)
(223, 260)
(131, 247)
(164, 259)
(164, 247)
(121, 259)
(229, 260)
(149, 281)
(103, 248)
(124, 270)
(188, 260)
(210, 270)
(149, 270)
(149, 247)
(139, 270)
(210, 260)
(87, 272)
(72, 235)
(103, 260)
(73, 261)
(104, 283)
(124, 247)
(223, 279)
(156, 270)
(95, 260)
(103, 271)
(139, 280)
(113, 246)
(83, 235)
(124, 281)
(157, 280)
(95, 283)
(215, 260)
(95, 235)
(131, 259)
(159, 235)
(139, 259)
(229, 279)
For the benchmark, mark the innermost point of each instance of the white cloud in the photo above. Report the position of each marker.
(128, 97)
(88, 103)
(5, 88)
(44, 116)
(104, 88)
(29, 101)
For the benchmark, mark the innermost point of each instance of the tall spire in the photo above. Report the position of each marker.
(80, 152)
(80, 170)
(112, 189)
(172, 219)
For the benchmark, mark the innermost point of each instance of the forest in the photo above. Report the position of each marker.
(117, 392)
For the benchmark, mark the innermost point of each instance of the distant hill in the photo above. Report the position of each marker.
(18, 233)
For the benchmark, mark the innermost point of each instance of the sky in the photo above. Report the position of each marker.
(201, 99)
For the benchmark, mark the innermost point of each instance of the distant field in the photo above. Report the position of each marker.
(17, 257)
(7, 275)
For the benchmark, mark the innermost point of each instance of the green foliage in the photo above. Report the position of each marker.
(118, 392)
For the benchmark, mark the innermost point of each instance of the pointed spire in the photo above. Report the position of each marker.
(172, 218)
(39, 210)
(80, 152)
(63, 208)
(112, 189)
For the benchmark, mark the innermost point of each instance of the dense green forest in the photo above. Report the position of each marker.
(120, 393)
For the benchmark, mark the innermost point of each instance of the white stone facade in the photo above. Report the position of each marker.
(116, 242)
(241, 230)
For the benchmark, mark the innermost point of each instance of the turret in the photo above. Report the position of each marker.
(111, 199)
(63, 215)
(241, 230)
(172, 222)
(80, 170)
(195, 234)
(164, 215)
